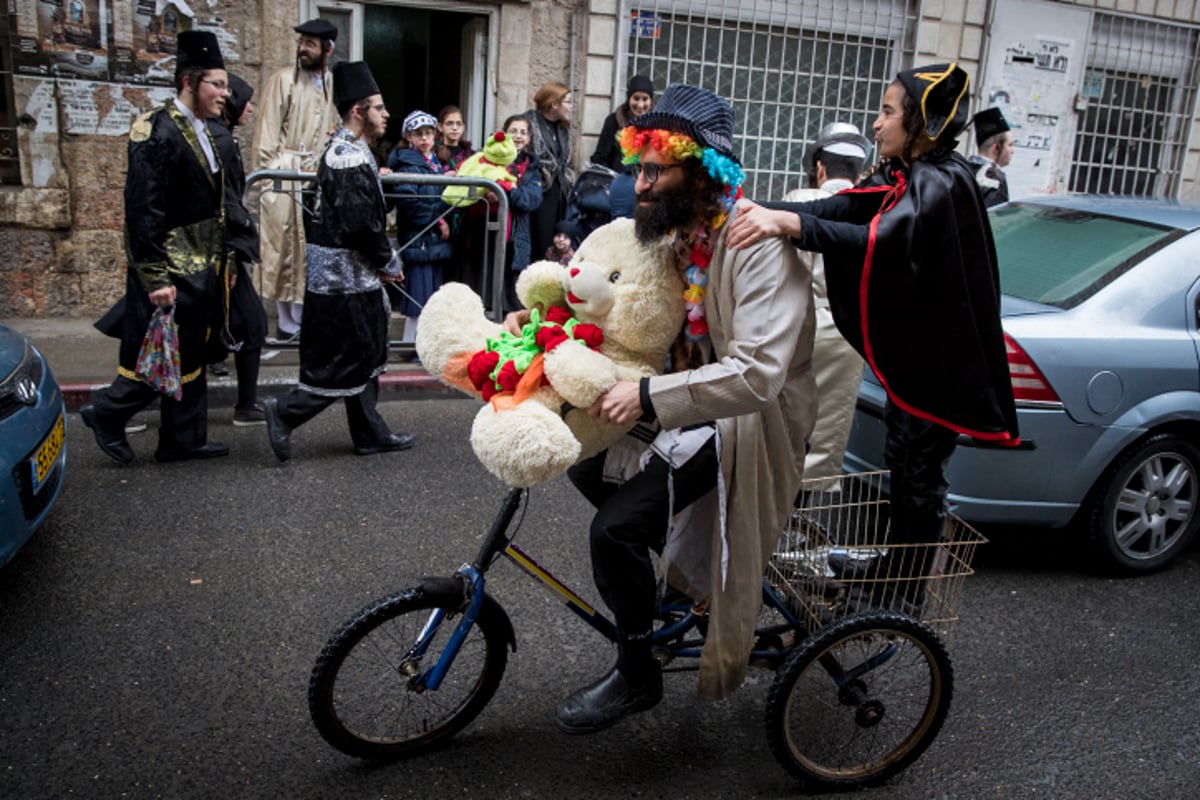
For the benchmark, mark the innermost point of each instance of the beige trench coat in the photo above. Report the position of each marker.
(837, 366)
(295, 118)
(759, 307)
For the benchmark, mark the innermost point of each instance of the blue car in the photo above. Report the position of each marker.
(33, 447)
(1101, 312)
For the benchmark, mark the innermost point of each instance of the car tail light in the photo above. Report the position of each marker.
(1028, 382)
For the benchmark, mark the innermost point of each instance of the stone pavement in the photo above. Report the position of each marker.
(84, 359)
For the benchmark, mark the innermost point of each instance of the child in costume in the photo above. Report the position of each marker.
(421, 228)
(921, 308)
(524, 198)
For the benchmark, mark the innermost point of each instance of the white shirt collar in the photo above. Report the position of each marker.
(835, 185)
(201, 129)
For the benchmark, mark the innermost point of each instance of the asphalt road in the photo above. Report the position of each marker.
(156, 639)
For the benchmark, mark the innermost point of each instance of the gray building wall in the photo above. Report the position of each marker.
(60, 230)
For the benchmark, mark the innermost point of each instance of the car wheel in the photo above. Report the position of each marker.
(1143, 511)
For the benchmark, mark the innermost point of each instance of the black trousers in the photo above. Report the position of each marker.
(543, 220)
(917, 452)
(367, 427)
(631, 520)
(184, 422)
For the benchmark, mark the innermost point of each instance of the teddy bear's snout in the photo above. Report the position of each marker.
(588, 291)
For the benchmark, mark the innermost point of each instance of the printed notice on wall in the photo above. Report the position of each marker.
(1033, 79)
(118, 41)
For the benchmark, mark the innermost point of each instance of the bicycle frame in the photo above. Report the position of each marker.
(669, 640)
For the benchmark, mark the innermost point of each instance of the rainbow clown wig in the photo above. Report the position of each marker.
(688, 122)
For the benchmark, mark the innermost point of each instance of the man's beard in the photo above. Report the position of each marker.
(316, 64)
(669, 209)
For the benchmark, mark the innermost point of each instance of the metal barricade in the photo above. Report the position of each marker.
(295, 183)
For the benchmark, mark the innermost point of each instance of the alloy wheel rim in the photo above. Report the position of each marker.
(1155, 506)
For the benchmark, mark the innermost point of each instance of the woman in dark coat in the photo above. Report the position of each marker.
(247, 320)
(639, 99)
(550, 129)
(523, 199)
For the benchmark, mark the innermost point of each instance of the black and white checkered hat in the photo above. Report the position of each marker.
(702, 115)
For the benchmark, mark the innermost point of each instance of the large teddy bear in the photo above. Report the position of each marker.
(611, 314)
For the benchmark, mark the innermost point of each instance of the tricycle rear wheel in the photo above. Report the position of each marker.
(859, 701)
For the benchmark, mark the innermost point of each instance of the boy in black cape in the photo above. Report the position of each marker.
(914, 287)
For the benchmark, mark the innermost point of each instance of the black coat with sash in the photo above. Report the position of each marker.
(174, 236)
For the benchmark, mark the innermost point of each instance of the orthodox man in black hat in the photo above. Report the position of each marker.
(344, 349)
(994, 144)
(728, 421)
(911, 271)
(175, 246)
(295, 116)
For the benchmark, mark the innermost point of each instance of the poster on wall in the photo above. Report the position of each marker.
(1033, 79)
(153, 26)
(1032, 91)
(62, 37)
(123, 41)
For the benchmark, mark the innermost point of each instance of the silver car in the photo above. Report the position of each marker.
(1101, 316)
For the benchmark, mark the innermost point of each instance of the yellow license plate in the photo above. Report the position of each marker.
(47, 454)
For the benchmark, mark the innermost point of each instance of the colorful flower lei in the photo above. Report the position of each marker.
(724, 170)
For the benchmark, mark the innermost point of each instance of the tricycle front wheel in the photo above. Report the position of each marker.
(366, 696)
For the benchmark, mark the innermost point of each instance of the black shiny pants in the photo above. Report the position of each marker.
(367, 427)
(917, 452)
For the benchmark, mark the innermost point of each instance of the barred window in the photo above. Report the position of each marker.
(787, 69)
(1140, 89)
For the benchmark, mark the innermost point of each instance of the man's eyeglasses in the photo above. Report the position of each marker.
(220, 86)
(651, 171)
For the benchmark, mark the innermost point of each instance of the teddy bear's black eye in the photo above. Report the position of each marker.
(616, 276)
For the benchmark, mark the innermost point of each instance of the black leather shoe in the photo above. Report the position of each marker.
(114, 444)
(394, 441)
(210, 450)
(606, 702)
(278, 433)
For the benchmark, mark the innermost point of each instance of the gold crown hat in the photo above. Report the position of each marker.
(941, 92)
